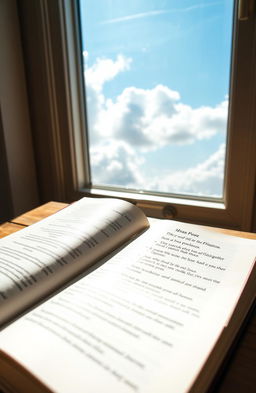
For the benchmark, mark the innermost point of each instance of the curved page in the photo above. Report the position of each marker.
(40, 258)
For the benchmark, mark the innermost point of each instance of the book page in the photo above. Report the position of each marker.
(145, 321)
(39, 258)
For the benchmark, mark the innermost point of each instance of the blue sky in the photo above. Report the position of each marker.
(183, 46)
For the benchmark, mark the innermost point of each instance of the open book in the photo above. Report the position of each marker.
(98, 298)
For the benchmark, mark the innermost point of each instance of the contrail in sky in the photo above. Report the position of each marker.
(159, 12)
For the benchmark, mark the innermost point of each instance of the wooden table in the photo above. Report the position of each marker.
(239, 374)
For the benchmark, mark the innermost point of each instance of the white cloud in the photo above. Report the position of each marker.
(204, 179)
(115, 163)
(142, 120)
(104, 70)
(149, 119)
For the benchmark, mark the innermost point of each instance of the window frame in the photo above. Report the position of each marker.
(56, 57)
(18, 182)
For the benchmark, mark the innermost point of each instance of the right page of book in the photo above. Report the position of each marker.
(144, 321)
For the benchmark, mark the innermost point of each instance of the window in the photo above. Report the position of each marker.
(61, 143)
(157, 86)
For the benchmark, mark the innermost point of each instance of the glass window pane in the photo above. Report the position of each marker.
(157, 86)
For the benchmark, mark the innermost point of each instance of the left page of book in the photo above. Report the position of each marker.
(40, 258)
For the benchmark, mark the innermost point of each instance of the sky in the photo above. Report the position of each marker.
(157, 85)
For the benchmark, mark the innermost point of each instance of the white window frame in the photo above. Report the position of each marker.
(69, 173)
